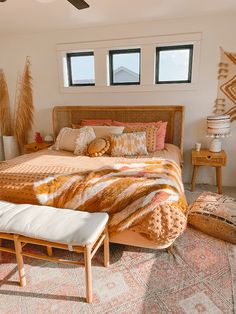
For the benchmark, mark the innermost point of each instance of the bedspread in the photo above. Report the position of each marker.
(147, 197)
(17, 175)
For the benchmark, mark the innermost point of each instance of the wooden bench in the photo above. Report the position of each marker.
(51, 227)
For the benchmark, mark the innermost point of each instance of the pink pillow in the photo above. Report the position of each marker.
(118, 123)
(161, 135)
(160, 126)
(96, 122)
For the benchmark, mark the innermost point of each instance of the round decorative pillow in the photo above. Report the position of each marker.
(98, 147)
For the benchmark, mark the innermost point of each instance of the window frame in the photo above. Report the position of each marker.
(69, 55)
(111, 69)
(174, 47)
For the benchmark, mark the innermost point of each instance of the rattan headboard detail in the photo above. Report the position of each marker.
(65, 115)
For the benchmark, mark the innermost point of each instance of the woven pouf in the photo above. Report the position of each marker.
(215, 215)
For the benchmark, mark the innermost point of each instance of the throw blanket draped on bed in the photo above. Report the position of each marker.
(147, 197)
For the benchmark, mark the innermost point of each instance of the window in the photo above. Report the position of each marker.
(124, 67)
(80, 68)
(174, 64)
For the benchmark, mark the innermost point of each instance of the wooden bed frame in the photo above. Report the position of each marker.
(64, 116)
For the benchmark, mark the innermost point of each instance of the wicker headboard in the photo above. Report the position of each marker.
(174, 115)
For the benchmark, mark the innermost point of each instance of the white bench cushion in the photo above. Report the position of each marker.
(52, 224)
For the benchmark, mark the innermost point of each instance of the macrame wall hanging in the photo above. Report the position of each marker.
(226, 95)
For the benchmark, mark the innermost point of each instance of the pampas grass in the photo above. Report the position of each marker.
(24, 106)
(5, 116)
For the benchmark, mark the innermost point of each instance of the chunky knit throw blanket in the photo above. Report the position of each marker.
(147, 197)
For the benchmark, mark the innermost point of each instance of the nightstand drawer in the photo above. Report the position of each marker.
(207, 158)
(34, 147)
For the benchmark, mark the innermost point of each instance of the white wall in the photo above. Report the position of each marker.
(216, 31)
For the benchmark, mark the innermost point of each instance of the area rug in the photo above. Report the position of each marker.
(197, 279)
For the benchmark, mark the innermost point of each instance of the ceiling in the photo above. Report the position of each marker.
(20, 16)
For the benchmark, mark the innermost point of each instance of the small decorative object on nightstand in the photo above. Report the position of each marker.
(48, 138)
(34, 147)
(207, 158)
(38, 138)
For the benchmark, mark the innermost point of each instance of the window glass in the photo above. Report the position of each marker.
(174, 64)
(81, 69)
(124, 67)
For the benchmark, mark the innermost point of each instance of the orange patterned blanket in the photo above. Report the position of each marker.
(19, 176)
(146, 197)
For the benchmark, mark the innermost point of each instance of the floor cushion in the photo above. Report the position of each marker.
(215, 215)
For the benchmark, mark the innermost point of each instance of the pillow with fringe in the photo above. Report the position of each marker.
(98, 147)
(85, 136)
(66, 139)
(151, 133)
(129, 144)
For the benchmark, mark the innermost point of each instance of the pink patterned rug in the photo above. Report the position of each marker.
(201, 278)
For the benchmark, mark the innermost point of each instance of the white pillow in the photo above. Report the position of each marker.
(107, 131)
(86, 135)
(66, 139)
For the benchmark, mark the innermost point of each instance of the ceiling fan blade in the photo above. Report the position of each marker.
(79, 4)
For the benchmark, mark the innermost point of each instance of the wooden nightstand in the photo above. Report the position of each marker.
(34, 147)
(206, 158)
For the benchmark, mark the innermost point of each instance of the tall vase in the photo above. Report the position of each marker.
(11, 148)
(2, 157)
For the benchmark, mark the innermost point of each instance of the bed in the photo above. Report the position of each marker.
(18, 175)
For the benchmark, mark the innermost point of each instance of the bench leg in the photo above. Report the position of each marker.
(49, 250)
(88, 273)
(20, 262)
(106, 248)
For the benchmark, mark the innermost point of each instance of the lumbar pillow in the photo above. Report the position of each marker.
(102, 131)
(85, 136)
(98, 147)
(129, 144)
(215, 215)
(89, 122)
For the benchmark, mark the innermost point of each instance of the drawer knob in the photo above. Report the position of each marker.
(208, 157)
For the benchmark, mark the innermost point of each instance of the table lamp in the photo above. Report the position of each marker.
(217, 127)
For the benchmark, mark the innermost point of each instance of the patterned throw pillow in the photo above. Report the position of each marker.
(129, 144)
(151, 134)
(215, 215)
(160, 128)
(66, 139)
(85, 136)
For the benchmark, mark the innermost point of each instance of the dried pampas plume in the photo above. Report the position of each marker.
(24, 106)
(5, 116)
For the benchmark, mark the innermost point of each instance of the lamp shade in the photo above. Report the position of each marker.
(218, 126)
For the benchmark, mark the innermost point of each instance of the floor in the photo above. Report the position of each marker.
(196, 279)
(191, 196)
